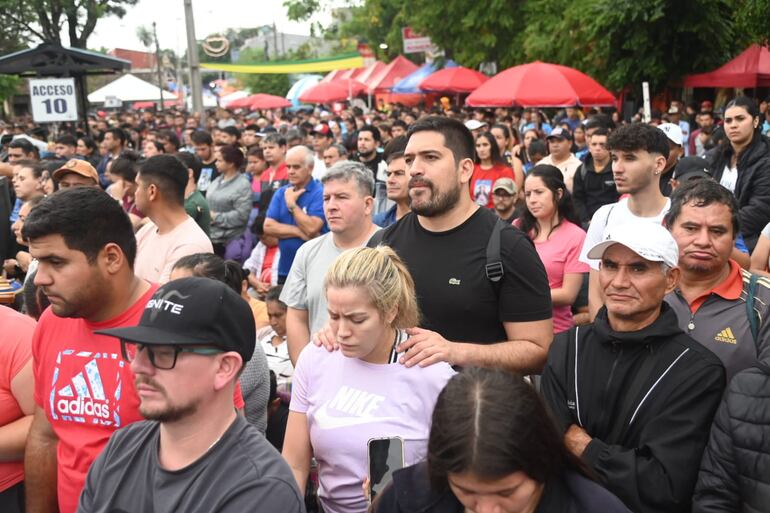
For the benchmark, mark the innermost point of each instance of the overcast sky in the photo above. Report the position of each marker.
(210, 16)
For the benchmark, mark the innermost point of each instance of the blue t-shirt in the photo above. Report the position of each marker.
(386, 218)
(312, 203)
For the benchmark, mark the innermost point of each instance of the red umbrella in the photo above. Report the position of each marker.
(329, 92)
(453, 80)
(540, 84)
(259, 102)
(268, 101)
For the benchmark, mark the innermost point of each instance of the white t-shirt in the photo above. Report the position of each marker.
(614, 214)
(277, 356)
(156, 254)
(729, 178)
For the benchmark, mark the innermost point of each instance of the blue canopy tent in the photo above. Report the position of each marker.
(408, 85)
(299, 87)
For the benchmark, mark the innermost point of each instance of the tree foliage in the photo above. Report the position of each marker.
(46, 19)
(619, 42)
(752, 18)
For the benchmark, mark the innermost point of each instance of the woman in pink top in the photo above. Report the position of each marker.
(490, 166)
(342, 399)
(551, 224)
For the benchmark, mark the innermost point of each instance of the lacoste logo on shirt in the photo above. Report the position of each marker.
(726, 336)
(454, 281)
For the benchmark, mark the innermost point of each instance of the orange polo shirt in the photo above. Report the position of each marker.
(730, 288)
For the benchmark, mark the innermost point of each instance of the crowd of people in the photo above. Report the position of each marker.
(543, 314)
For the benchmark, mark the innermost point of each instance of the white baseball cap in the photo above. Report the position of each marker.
(673, 132)
(474, 124)
(649, 240)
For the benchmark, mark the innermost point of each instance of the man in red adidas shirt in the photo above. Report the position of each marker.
(84, 390)
(85, 246)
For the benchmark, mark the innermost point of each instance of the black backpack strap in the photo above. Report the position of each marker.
(376, 239)
(750, 312)
(494, 267)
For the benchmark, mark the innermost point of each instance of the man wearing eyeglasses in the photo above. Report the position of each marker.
(194, 453)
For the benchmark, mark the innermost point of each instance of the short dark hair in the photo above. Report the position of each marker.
(491, 423)
(67, 140)
(232, 154)
(376, 135)
(117, 133)
(171, 137)
(601, 131)
(168, 174)
(538, 147)
(395, 148)
(256, 151)
(126, 166)
(201, 137)
(400, 123)
(25, 146)
(209, 265)
(639, 136)
(33, 165)
(275, 138)
(274, 294)
(252, 127)
(703, 193)
(190, 161)
(231, 130)
(457, 137)
(87, 218)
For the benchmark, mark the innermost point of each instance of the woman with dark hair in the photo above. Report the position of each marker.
(490, 166)
(505, 142)
(493, 447)
(88, 150)
(229, 198)
(550, 222)
(743, 166)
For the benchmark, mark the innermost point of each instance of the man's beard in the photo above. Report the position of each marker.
(169, 413)
(439, 203)
(367, 155)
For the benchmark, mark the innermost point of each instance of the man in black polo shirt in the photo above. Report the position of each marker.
(468, 320)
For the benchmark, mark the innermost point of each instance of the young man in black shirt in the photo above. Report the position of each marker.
(468, 320)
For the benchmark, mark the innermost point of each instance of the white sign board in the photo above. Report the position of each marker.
(53, 99)
(415, 43)
(112, 102)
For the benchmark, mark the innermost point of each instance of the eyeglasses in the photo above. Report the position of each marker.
(162, 357)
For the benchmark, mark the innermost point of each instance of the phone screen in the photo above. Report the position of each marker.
(386, 455)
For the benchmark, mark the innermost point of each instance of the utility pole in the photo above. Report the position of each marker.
(157, 58)
(192, 60)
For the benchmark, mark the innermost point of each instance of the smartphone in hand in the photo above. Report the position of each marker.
(386, 455)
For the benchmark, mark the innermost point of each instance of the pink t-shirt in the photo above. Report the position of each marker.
(156, 254)
(15, 352)
(348, 402)
(560, 256)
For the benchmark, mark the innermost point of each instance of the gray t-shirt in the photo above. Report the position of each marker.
(255, 387)
(304, 287)
(241, 472)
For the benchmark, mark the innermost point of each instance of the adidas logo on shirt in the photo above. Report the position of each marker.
(726, 336)
(83, 399)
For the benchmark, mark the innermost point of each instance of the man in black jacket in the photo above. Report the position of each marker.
(593, 185)
(634, 395)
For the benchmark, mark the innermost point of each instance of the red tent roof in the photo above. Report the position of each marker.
(351, 74)
(370, 71)
(750, 69)
(387, 77)
(454, 80)
(330, 92)
(333, 75)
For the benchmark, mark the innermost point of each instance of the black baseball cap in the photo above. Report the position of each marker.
(689, 168)
(561, 133)
(194, 311)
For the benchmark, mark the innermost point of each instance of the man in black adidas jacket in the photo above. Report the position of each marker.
(634, 394)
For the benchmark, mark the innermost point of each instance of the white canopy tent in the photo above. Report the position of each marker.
(129, 88)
